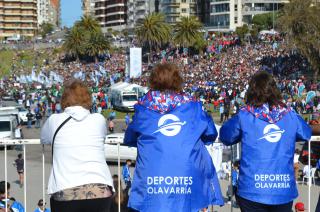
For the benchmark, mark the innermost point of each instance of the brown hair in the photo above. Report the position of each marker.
(166, 77)
(263, 89)
(76, 93)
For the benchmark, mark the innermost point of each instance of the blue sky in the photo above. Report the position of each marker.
(70, 11)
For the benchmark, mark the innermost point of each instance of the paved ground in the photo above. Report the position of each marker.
(34, 175)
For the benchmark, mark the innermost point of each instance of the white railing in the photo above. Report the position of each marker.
(24, 142)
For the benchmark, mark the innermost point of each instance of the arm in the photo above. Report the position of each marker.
(131, 136)
(230, 132)
(211, 133)
(303, 131)
(45, 136)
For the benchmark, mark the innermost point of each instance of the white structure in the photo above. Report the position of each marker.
(88, 7)
(43, 11)
(227, 15)
(137, 10)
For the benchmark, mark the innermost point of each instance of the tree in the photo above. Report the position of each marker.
(200, 45)
(96, 45)
(86, 39)
(242, 31)
(300, 20)
(88, 23)
(74, 42)
(264, 21)
(153, 30)
(45, 29)
(187, 31)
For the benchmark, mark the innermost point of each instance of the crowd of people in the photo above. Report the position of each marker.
(219, 78)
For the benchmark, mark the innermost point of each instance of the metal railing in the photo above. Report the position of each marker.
(24, 142)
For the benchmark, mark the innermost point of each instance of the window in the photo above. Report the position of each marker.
(4, 126)
(235, 20)
(184, 1)
(235, 7)
(184, 10)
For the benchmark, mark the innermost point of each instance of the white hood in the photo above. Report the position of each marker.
(77, 112)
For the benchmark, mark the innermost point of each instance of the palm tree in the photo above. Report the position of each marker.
(300, 20)
(187, 31)
(200, 44)
(96, 45)
(74, 42)
(88, 23)
(153, 30)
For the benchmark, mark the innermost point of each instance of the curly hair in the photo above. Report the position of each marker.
(76, 93)
(166, 77)
(263, 89)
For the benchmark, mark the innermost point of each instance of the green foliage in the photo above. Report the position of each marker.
(153, 30)
(264, 21)
(300, 20)
(187, 31)
(242, 31)
(45, 29)
(86, 39)
(200, 44)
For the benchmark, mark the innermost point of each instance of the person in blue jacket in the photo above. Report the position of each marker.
(174, 171)
(7, 200)
(267, 130)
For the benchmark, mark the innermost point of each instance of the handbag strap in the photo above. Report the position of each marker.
(57, 130)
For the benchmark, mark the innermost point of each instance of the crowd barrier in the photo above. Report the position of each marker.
(25, 142)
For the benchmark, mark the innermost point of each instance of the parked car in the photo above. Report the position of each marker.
(111, 148)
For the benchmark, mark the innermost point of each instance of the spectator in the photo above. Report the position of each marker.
(41, 207)
(8, 201)
(170, 127)
(80, 179)
(30, 118)
(127, 175)
(111, 125)
(127, 120)
(296, 164)
(268, 132)
(221, 110)
(38, 119)
(19, 164)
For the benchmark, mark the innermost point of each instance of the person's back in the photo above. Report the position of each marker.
(268, 134)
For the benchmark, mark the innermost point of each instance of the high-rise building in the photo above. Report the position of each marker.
(18, 18)
(88, 7)
(174, 9)
(48, 12)
(227, 15)
(137, 10)
(111, 14)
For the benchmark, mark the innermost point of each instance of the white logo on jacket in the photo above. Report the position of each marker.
(169, 125)
(272, 133)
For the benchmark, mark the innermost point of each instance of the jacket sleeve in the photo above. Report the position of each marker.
(131, 136)
(230, 132)
(211, 133)
(45, 136)
(304, 131)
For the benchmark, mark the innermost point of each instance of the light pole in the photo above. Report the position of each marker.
(273, 16)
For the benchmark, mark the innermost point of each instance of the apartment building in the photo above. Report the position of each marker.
(174, 9)
(18, 18)
(48, 12)
(227, 15)
(88, 7)
(111, 14)
(137, 10)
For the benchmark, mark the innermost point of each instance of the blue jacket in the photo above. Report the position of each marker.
(15, 206)
(267, 149)
(126, 173)
(174, 171)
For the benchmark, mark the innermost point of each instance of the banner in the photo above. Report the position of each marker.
(135, 62)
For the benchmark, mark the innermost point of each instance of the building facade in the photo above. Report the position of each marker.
(48, 12)
(88, 7)
(174, 9)
(227, 15)
(137, 10)
(18, 18)
(111, 14)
